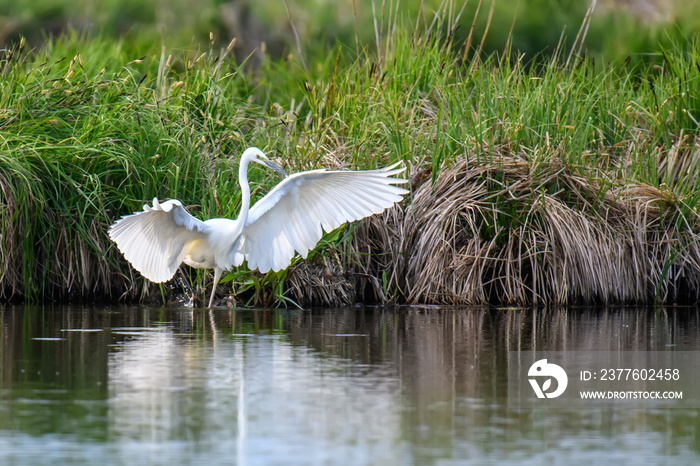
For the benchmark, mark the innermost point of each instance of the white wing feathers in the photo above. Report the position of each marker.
(290, 219)
(156, 240)
(292, 216)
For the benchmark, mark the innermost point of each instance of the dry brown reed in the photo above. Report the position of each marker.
(9, 256)
(324, 282)
(510, 230)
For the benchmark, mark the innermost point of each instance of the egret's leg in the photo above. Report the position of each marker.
(217, 277)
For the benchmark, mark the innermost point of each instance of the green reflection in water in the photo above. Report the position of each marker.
(358, 385)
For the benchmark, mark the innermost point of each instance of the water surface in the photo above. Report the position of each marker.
(141, 385)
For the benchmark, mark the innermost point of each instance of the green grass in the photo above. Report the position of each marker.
(89, 132)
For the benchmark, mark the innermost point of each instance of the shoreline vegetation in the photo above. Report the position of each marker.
(548, 181)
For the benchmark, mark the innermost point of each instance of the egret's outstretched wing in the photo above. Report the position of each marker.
(290, 217)
(156, 240)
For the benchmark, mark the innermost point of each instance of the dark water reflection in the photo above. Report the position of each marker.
(344, 386)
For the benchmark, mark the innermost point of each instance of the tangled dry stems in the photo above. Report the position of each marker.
(512, 231)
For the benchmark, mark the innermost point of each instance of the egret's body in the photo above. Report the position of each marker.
(288, 220)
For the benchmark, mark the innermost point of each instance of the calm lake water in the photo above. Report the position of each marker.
(388, 386)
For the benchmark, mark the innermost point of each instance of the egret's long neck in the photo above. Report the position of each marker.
(245, 192)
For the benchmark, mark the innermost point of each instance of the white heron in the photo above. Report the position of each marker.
(288, 219)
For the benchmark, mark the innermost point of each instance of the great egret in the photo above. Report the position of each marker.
(288, 219)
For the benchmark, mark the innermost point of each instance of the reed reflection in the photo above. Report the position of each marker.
(369, 385)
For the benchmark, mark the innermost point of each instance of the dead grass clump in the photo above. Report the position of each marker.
(10, 246)
(513, 231)
(320, 284)
(376, 259)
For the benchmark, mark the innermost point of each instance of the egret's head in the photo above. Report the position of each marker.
(253, 154)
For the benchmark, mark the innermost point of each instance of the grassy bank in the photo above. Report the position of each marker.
(544, 184)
